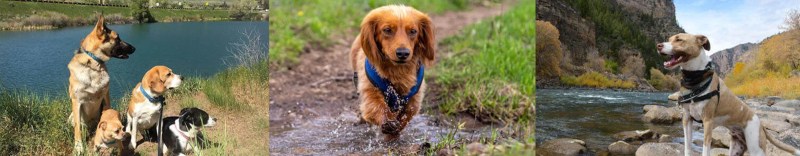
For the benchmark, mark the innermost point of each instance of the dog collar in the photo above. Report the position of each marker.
(95, 58)
(395, 100)
(159, 99)
(175, 127)
(110, 142)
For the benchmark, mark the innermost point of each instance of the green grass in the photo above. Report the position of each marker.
(491, 71)
(14, 14)
(34, 125)
(312, 22)
(597, 80)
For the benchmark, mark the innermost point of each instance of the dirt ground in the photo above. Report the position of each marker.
(314, 102)
(237, 132)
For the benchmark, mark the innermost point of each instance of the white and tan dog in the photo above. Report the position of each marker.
(147, 99)
(705, 99)
(88, 78)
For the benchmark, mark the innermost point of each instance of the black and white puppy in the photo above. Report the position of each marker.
(180, 133)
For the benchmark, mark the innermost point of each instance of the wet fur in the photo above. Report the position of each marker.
(379, 46)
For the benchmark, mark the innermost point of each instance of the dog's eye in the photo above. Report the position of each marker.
(678, 40)
(169, 74)
(413, 32)
(387, 30)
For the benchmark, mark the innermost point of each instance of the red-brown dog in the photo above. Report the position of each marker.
(389, 56)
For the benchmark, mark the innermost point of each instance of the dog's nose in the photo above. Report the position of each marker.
(660, 46)
(402, 53)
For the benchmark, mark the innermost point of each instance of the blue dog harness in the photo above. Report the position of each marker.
(390, 95)
(159, 99)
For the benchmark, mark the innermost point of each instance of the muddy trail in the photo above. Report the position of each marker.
(313, 107)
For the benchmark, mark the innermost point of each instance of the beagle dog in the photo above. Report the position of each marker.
(705, 99)
(147, 98)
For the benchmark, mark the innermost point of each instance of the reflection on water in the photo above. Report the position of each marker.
(595, 115)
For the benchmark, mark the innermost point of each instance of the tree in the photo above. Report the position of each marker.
(140, 11)
(548, 48)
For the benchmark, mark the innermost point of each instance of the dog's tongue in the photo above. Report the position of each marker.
(672, 61)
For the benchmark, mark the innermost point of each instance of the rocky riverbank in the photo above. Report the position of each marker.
(781, 118)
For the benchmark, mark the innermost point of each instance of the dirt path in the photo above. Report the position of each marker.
(313, 105)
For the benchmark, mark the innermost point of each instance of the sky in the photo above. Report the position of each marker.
(728, 23)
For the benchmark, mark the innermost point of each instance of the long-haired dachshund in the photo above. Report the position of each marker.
(389, 58)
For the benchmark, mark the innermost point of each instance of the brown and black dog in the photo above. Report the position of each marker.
(397, 42)
(88, 78)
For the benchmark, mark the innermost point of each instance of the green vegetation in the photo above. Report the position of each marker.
(140, 11)
(597, 80)
(491, 71)
(32, 123)
(299, 24)
(663, 82)
(33, 15)
(490, 74)
(613, 28)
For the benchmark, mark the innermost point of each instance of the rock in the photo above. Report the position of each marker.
(665, 138)
(791, 137)
(721, 137)
(778, 126)
(562, 147)
(795, 104)
(476, 148)
(794, 120)
(637, 135)
(621, 148)
(719, 152)
(661, 115)
(660, 149)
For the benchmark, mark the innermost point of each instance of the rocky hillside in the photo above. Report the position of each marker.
(614, 37)
(726, 59)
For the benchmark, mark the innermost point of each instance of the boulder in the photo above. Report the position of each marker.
(637, 135)
(778, 126)
(660, 149)
(661, 115)
(719, 152)
(721, 137)
(665, 138)
(562, 147)
(621, 148)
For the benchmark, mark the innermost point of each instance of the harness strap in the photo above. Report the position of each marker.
(390, 95)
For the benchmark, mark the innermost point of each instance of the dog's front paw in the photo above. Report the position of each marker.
(391, 127)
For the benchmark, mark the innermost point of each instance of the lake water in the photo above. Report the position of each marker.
(595, 115)
(37, 60)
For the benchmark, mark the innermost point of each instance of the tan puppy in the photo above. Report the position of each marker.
(397, 41)
(147, 100)
(706, 99)
(88, 78)
(109, 131)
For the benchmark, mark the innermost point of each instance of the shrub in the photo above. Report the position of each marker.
(549, 49)
(633, 66)
(661, 81)
(597, 80)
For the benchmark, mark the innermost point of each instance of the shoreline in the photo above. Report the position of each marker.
(51, 27)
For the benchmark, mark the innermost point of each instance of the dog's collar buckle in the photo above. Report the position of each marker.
(395, 100)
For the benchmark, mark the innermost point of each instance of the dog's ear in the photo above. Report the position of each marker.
(102, 125)
(369, 41)
(100, 27)
(154, 80)
(427, 41)
(703, 40)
